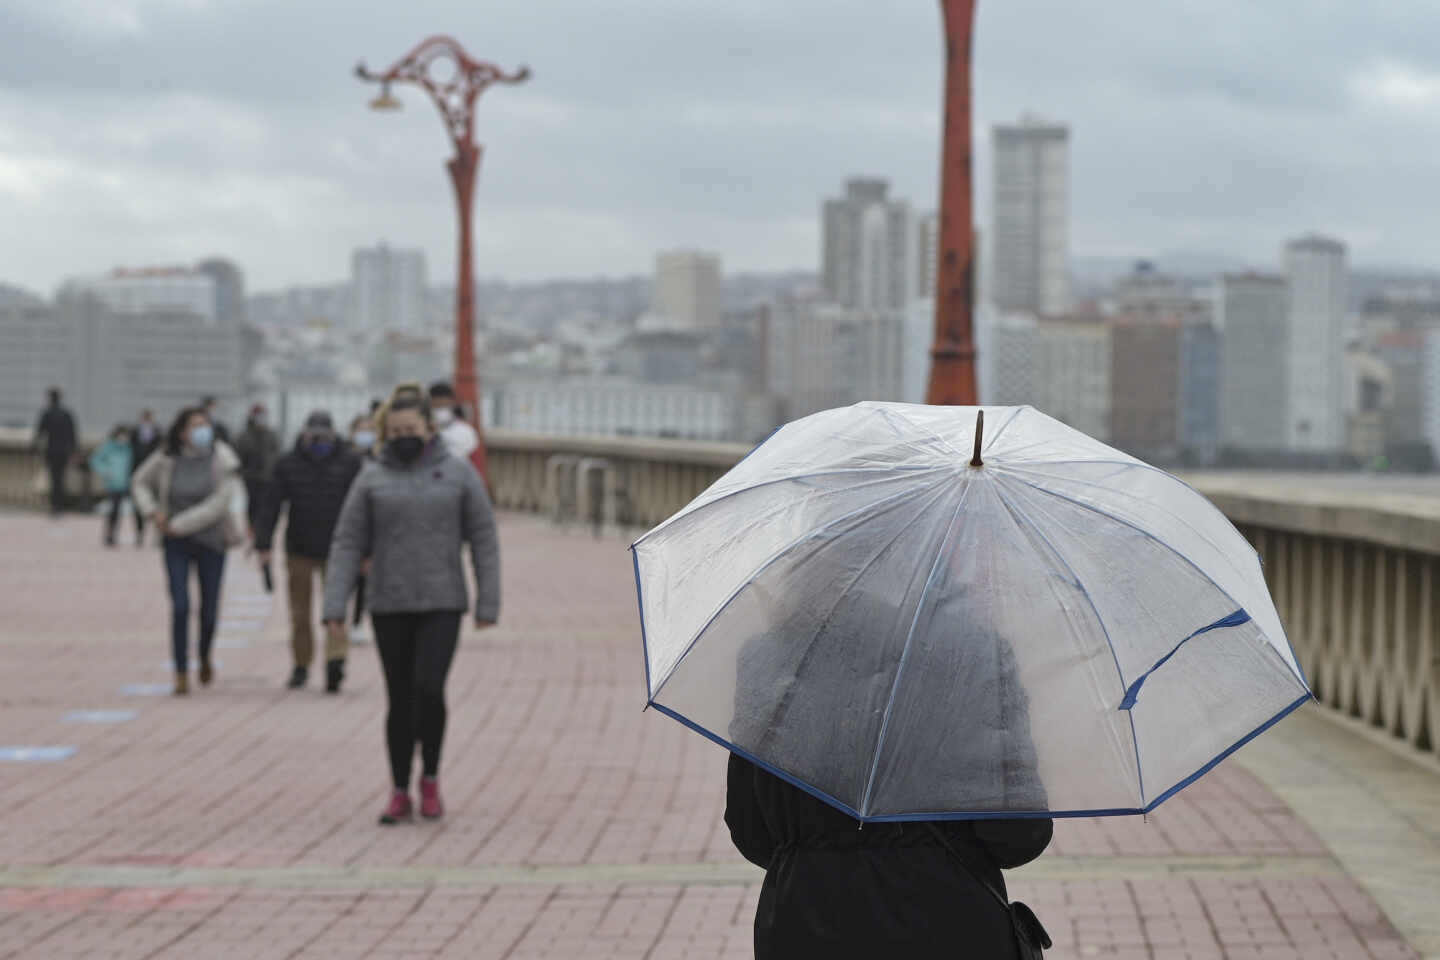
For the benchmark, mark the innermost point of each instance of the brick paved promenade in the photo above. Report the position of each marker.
(240, 821)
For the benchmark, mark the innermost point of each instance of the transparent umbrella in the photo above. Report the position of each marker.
(913, 617)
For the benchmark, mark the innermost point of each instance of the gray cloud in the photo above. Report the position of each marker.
(133, 130)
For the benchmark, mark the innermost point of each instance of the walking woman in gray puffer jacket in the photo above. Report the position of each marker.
(410, 513)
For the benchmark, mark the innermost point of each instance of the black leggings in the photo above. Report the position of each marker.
(416, 650)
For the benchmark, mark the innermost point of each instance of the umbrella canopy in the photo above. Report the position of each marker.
(1059, 630)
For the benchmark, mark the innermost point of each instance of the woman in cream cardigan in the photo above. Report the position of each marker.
(185, 488)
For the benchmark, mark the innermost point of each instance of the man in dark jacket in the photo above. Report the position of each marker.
(313, 479)
(258, 449)
(57, 428)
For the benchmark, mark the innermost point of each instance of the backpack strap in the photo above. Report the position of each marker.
(968, 867)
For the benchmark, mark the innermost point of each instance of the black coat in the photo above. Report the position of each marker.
(57, 426)
(140, 447)
(839, 889)
(315, 489)
(833, 887)
(259, 449)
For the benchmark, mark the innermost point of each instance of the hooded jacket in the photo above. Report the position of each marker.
(411, 520)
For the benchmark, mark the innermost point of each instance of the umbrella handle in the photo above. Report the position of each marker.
(975, 461)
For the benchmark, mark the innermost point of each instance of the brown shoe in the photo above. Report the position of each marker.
(207, 673)
(182, 684)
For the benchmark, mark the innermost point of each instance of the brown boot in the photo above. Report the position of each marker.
(182, 684)
(207, 673)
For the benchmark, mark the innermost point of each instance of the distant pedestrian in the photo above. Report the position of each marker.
(211, 408)
(364, 440)
(185, 489)
(144, 440)
(460, 438)
(57, 437)
(311, 481)
(363, 436)
(259, 449)
(113, 462)
(411, 513)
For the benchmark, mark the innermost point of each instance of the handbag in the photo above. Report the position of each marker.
(1031, 937)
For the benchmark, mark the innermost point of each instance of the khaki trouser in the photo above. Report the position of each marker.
(300, 573)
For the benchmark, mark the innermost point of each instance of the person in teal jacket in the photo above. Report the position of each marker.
(112, 462)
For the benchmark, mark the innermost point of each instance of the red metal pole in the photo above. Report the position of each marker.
(455, 98)
(952, 368)
(463, 167)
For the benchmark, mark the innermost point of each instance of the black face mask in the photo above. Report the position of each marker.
(406, 449)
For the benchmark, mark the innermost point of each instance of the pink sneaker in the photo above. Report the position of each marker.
(430, 806)
(398, 809)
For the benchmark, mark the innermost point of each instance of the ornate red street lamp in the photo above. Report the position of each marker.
(454, 81)
(952, 368)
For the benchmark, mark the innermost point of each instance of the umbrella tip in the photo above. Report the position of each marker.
(975, 461)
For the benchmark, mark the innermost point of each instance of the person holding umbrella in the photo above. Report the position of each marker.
(921, 641)
(312, 479)
(834, 885)
(411, 513)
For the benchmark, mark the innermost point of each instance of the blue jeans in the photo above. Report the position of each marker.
(181, 553)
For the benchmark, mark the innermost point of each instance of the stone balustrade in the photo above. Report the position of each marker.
(1356, 575)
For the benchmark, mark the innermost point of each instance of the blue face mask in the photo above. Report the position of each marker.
(364, 439)
(322, 448)
(202, 437)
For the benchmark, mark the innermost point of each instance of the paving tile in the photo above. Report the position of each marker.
(266, 798)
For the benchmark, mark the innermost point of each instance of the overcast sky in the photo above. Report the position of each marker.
(156, 131)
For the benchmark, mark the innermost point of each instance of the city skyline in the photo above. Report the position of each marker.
(146, 126)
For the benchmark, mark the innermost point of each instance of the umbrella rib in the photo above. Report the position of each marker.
(687, 512)
(990, 444)
(774, 557)
(905, 651)
(783, 707)
(1219, 548)
(1170, 513)
(1014, 509)
(933, 435)
(1138, 529)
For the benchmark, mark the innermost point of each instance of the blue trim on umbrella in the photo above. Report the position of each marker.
(640, 599)
(981, 814)
(817, 794)
(1238, 744)
(1230, 620)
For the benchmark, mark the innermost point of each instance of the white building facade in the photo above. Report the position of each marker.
(1315, 368)
(1030, 245)
(1253, 311)
(152, 290)
(868, 259)
(611, 407)
(927, 255)
(388, 288)
(1430, 391)
(1062, 368)
(688, 293)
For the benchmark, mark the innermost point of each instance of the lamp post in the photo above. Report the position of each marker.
(952, 366)
(454, 81)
